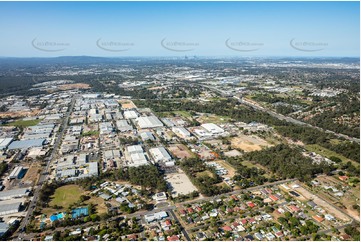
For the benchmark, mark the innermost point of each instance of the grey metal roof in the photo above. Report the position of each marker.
(9, 207)
(25, 144)
(14, 192)
(3, 228)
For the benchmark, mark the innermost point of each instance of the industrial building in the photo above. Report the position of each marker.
(77, 171)
(133, 149)
(111, 157)
(3, 228)
(181, 132)
(160, 154)
(105, 128)
(26, 144)
(40, 131)
(112, 154)
(138, 159)
(4, 143)
(9, 208)
(146, 136)
(135, 155)
(168, 122)
(149, 122)
(14, 193)
(130, 114)
(15, 172)
(91, 96)
(123, 125)
(213, 128)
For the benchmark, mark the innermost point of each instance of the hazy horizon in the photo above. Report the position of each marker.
(160, 29)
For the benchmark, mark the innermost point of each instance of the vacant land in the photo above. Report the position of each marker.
(205, 173)
(32, 174)
(99, 204)
(20, 114)
(183, 114)
(180, 183)
(180, 151)
(24, 123)
(249, 143)
(74, 86)
(211, 118)
(127, 104)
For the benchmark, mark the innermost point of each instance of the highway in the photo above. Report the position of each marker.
(279, 116)
(44, 175)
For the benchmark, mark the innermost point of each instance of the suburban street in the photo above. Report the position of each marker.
(43, 176)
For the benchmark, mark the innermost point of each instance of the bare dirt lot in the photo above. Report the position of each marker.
(180, 151)
(19, 114)
(322, 203)
(32, 174)
(74, 86)
(249, 143)
(180, 183)
(127, 104)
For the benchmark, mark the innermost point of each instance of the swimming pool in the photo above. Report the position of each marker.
(56, 217)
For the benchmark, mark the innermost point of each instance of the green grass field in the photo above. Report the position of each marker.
(184, 114)
(214, 119)
(328, 153)
(24, 123)
(66, 195)
(91, 133)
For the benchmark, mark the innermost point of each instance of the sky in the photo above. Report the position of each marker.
(47, 29)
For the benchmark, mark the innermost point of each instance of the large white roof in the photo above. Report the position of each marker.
(149, 122)
(212, 128)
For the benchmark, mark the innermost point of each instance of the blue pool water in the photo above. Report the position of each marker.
(80, 212)
(56, 217)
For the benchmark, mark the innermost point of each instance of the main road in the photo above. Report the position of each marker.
(44, 175)
(279, 116)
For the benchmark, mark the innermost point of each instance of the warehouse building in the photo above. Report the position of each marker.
(3, 228)
(138, 159)
(160, 154)
(168, 122)
(146, 136)
(149, 122)
(213, 128)
(105, 128)
(133, 149)
(130, 114)
(112, 154)
(15, 173)
(26, 144)
(5, 142)
(14, 193)
(181, 132)
(91, 96)
(135, 156)
(123, 126)
(9, 208)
